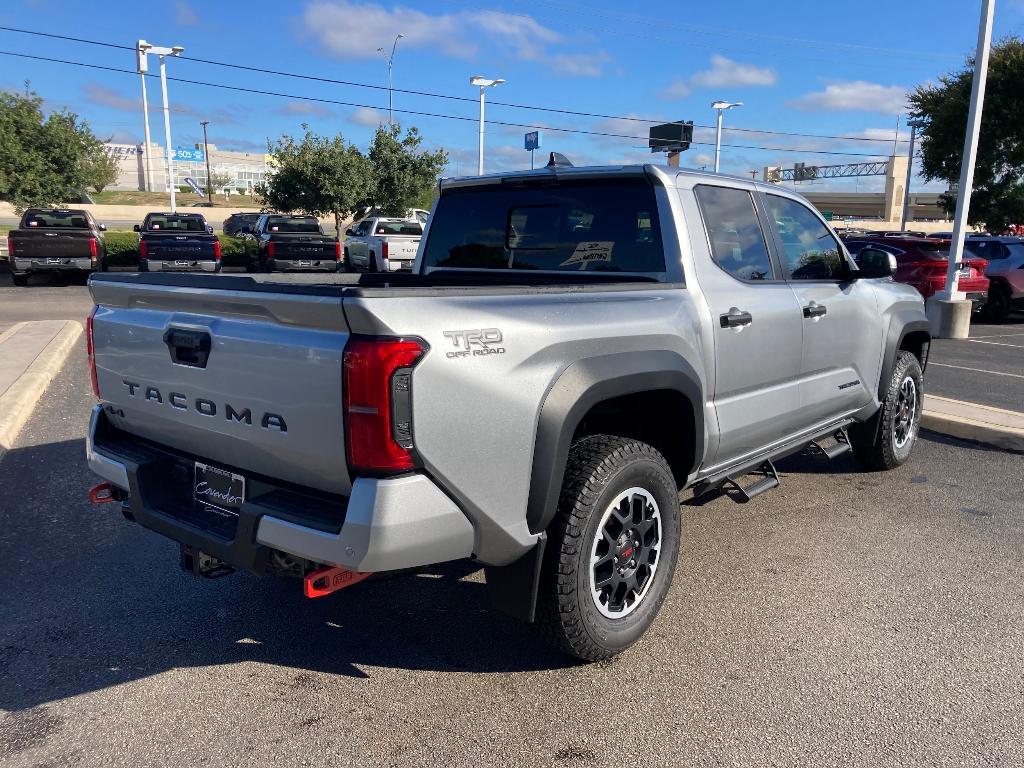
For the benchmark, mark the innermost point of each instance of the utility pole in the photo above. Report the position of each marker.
(390, 60)
(142, 66)
(206, 154)
(910, 174)
(952, 316)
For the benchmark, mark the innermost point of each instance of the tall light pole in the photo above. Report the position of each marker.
(482, 82)
(390, 60)
(721, 106)
(914, 125)
(953, 318)
(206, 154)
(142, 66)
(144, 49)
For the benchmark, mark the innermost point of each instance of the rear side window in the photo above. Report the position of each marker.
(734, 232)
(306, 224)
(173, 223)
(399, 228)
(56, 220)
(607, 225)
(810, 252)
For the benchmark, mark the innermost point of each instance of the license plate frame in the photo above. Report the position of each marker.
(180, 263)
(225, 494)
(54, 260)
(305, 262)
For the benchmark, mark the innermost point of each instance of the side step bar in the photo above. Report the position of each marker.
(769, 480)
(841, 445)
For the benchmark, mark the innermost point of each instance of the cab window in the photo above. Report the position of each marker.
(809, 250)
(734, 232)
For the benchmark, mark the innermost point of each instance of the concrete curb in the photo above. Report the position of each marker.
(970, 421)
(18, 402)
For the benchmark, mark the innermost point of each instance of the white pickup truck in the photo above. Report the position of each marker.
(382, 245)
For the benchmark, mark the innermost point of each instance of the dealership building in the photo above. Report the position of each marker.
(244, 169)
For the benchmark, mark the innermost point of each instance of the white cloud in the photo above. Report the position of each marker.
(100, 94)
(184, 15)
(723, 73)
(857, 95)
(352, 30)
(367, 116)
(305, 108)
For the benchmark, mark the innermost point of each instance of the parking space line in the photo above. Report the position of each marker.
(997, 336)
(995, 343)
(977, 370)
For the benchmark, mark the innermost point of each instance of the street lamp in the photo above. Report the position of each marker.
(482, 82)
(721, 106)
(144, 49)
(142, 67)
(390, 59)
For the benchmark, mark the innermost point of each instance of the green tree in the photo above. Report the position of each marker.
(44, 159)
(316, 175)
(998, 196)
(403, 174)
(220, 179)
(103, 169)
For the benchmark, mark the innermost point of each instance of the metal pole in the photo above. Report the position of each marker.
(206, 154)
(167, 132)
(718, 140)
(910, 174)
(896, 138)
(963, 202)
(145, 119)
(391, 111)
(531, 159)
(480, 150)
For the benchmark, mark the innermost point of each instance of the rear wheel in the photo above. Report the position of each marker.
(612, 547)
(20, 280)
(886, 440)
(997, 306)
(371, 263)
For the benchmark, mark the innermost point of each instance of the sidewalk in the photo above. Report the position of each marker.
(995, 426)
(31, 354)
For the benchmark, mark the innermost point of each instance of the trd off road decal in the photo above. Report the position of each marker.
(475, 342)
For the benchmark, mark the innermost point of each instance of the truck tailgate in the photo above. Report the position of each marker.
(250, 381)
(41, 244)
(179, 247)
(402, 248)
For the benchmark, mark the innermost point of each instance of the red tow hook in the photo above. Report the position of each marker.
(101, 493)
(326, 580)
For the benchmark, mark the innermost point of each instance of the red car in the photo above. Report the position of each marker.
(921, 262)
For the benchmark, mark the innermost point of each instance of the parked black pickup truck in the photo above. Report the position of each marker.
(177, 242)
(56, 240)
(293, 242)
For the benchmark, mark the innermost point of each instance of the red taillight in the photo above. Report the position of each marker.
(270, 249)
(90, 350)
(93, 248)
(143, 249)
(378, 402)
(216, 250)
(384, 249)
(337, 250)
(10, 247)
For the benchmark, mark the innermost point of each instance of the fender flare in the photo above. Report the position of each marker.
(579, 388)
(901, 323)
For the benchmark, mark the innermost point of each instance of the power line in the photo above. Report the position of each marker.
(450, 97)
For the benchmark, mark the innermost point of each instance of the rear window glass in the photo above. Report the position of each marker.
(175, 223)
(56, 220)
(399, 228)
(293, 224)
(610, 225)
(934, 251)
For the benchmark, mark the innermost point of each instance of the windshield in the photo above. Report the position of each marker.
(293, 224)
(399, 228)
(607, 225)
(161, 222)
(56, 220)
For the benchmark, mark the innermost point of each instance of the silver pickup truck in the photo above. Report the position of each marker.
(573, 348)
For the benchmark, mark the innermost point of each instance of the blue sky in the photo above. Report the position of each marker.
(798, 66)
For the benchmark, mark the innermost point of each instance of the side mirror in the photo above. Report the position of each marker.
(209, 229)
(350, 232)
(874, 262)
(136, 228)
(102, 227)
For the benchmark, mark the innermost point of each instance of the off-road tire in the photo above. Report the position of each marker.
(601, 468)
(20, 280)
(998, 304)
(875, 443)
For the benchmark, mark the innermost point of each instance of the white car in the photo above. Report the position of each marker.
(380, 244)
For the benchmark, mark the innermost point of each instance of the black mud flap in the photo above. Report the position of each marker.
(513, 587)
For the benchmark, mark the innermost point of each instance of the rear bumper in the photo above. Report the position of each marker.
(68, 264)
(314, 265)
(384, 525)
(168, 265)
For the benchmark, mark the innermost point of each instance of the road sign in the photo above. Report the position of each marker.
(671, 137)
(192, 183)
(828, 215)
(531, 140)
(186, 154)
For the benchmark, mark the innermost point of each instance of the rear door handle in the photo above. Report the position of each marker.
(734, 318)
(814, 309)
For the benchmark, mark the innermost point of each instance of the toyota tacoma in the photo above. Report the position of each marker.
(573, 348)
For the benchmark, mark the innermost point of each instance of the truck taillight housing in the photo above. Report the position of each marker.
(10, 247)
(216, 250)
(384, 249)
(337, 250)
(270, 249)
(143, 249)
(94, 249)
(90, 351)
(377, 380)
